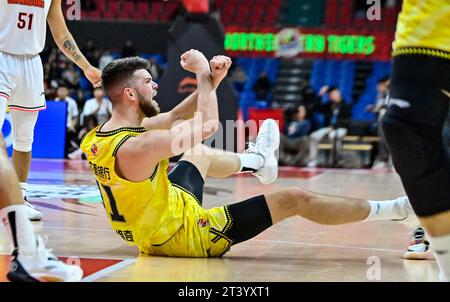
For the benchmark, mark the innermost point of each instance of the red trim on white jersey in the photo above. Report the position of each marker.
(4, 95)
(27, 109)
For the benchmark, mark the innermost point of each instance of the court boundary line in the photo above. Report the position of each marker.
(106, 271)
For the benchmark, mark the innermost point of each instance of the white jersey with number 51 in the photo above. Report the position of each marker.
(23, 25)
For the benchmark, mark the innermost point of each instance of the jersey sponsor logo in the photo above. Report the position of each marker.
(202, 222)
(35, 3)
(102, 172)
(94, 150)
(126, 235)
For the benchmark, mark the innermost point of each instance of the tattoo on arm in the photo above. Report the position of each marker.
(72, 49)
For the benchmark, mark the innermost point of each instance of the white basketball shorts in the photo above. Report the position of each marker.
(22, 82)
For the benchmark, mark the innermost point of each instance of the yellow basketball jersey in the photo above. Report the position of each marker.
(423, 24)
(143, 213)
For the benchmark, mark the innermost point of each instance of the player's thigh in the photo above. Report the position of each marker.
(29, 93)
(187, 176)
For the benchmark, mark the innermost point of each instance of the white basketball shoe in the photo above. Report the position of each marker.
(33, 213)
(267, 144)
(42, 267)
(419, 246)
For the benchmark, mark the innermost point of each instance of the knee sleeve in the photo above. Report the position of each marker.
(23, 124)
(250, 217)
(421, 160)
(413, 128)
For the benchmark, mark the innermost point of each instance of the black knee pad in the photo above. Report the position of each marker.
(422, 161)
(412, 146)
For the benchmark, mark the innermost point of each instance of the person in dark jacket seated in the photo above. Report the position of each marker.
(294, 143)
(337, 116)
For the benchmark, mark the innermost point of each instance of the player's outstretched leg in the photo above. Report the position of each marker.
(259, 159)
(23, 125)
(254, 215)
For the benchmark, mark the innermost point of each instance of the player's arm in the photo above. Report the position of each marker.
(147, 149)
(66, 43)
(186, 109)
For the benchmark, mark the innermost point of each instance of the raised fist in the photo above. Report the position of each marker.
(194, 61)
(219, 68)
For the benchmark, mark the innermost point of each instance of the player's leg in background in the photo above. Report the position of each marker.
(9, 186)
(413, 130)
(12, 209)
(24, 123)
(27, 98)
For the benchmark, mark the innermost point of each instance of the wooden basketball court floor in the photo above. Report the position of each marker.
(295, 250)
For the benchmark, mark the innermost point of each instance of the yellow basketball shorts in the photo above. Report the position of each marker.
(202, 233)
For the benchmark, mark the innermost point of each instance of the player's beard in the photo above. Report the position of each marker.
(147, 107)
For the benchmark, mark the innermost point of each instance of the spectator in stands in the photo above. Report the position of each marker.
(298, 126)
(262, 87)
(238, 77)
(55, 71)
(380, 108)
(155, 70)
(99, 106)
(81, 97)
(90, 122)
(71, 76)
(294, 141)
(50, 92)
(128, 49)
(337, 117)
(308, 100)
(62, 94)
(72, 116)
(91, 52)
(105, 59)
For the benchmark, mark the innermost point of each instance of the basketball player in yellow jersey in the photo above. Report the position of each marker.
(419, 102)
(162, 212)
(23, 26)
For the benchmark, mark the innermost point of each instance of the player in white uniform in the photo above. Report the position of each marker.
(22, 37)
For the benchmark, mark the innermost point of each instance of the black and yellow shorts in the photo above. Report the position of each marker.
(209, 232)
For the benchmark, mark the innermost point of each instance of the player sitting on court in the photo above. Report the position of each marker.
(162, 213)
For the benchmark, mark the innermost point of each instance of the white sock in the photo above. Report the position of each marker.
(250, 162)
(386, 209)
(19, 229)
(23, 189)
(441, 247)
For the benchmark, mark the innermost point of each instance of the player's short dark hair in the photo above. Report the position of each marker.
(120, 71)
(383, 79)
(332, 88)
